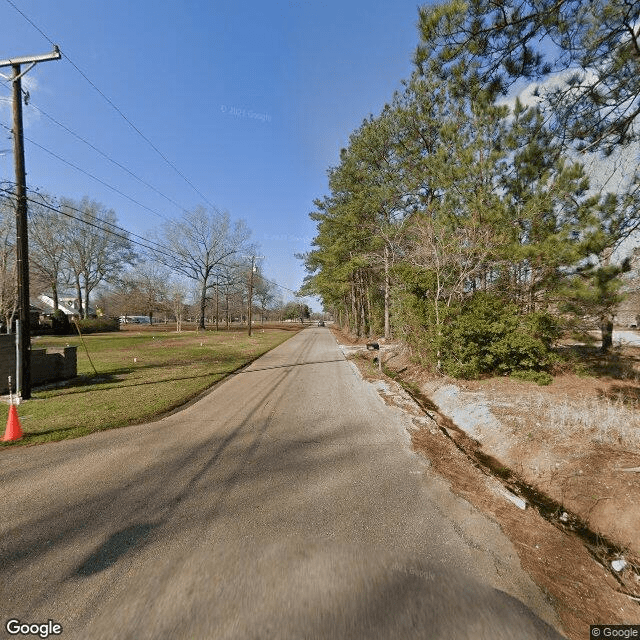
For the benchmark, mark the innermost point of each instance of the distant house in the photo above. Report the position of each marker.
(69, 305)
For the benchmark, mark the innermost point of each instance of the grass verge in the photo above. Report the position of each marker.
(141, 375)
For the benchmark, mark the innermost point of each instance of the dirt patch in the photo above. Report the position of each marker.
(566, 449)
(582, 591)
(573, 441)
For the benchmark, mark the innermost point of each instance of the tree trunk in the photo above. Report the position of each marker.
(86, 300)
(354, 311)
(606, 328)
(217, 310)
(362, 301)
(54, 295)
(387, 296)
(368, 323)
(203, 304)
(79, 292)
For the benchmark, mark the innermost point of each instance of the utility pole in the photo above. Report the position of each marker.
(22, 242)
(249, 305)
(216, 301)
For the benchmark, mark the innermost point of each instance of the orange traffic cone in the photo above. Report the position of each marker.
(13, 430)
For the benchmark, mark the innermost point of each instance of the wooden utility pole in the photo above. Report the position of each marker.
(22, 242)
(216, 302)
(250, 303)
(23, 385)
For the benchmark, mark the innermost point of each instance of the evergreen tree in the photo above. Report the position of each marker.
(555, 221)
(359, 226)
(490, 224)
(597, 43)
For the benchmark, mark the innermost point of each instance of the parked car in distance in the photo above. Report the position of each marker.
(321, 323)
(135, 320)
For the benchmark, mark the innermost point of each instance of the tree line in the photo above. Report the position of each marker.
(466, 226)
(78, 247)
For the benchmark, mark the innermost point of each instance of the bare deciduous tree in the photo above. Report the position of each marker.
(264, 292)
(47, 234)
(95, 250)
(8, 282)
(203, 242)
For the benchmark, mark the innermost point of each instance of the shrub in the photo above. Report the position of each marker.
(489, 336)
(483, 335)
(60, 323)
(98, 325)
(544, 327)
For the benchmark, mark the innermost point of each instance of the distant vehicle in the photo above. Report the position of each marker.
(135, 320)
(320, 323)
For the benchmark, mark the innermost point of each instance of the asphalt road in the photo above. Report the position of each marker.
(285, 504)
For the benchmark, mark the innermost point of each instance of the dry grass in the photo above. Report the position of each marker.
(601, 420)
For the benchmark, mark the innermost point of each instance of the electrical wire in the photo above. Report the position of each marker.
(90, 175)
(113, 105)
(113, 188)
(104, 222)
(98, 224)
(85, 214)
(157, 251)
(107, 157)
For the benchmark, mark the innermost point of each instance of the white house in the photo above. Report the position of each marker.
(69, 305)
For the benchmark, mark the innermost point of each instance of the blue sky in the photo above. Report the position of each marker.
(251, 101)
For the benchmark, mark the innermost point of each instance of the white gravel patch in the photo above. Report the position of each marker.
(469, 411)
(631, 338)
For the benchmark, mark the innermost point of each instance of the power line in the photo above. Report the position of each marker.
(107, 157)
(281, 286)
(158, 249)
(104, 222)
(114, 106)
(103, 154)
(90, 175)
(31, 23)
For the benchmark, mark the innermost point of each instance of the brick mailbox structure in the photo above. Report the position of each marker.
(47, 365)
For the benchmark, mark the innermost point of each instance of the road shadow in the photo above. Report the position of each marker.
(118, 545)
(291, 365)
(269, 478)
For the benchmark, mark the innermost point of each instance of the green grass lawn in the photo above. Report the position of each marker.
(141, 375)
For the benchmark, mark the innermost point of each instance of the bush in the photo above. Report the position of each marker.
(98, 325)
(60, 324)
(484, 335)
(539, 377)
(489, 336)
